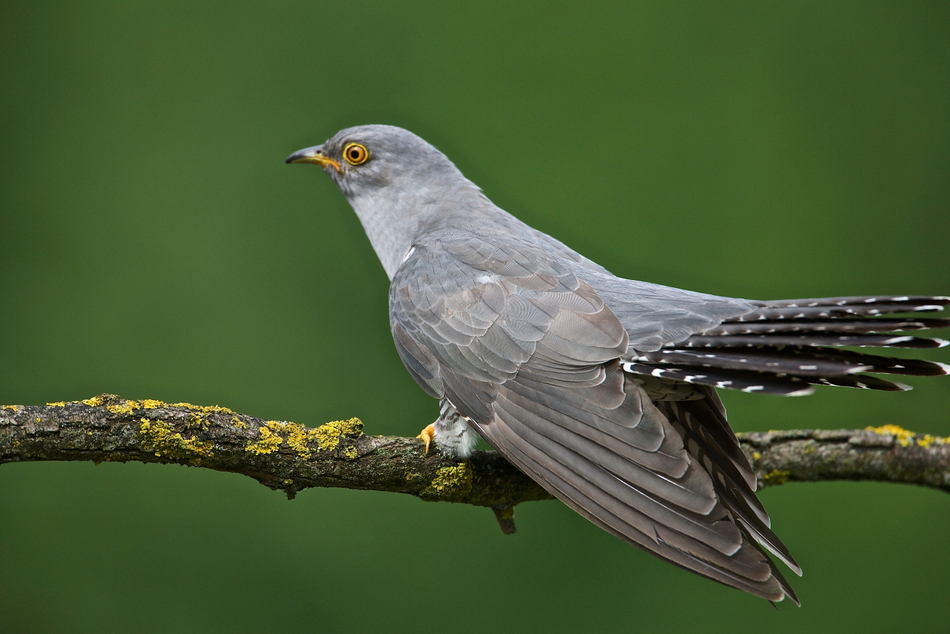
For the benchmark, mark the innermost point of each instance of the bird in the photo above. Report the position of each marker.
(601, 389)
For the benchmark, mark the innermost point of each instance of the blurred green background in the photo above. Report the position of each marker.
(154, 245)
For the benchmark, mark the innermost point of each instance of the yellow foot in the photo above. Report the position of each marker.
(427, 435)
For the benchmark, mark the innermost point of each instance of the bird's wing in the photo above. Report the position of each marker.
(655, 315)
(531, 354)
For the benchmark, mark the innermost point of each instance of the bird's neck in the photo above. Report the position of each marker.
(395, 221)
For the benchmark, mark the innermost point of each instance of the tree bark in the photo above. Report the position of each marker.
(291, 457)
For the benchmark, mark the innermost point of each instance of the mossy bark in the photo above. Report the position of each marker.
(291, 457)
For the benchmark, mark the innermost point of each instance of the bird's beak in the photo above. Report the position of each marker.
(314, 155)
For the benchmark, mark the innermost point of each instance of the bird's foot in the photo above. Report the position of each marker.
(427, 436)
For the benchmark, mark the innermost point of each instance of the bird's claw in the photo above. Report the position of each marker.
(427, 436)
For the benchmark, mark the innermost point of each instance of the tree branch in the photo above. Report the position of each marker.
(291, 457)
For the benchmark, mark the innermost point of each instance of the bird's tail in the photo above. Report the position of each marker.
(788, 346)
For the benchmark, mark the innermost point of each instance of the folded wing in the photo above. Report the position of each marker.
(533, 356)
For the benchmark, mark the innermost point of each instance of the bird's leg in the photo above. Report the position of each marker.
(451, 432)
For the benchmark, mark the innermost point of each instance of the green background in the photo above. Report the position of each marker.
(154, 245)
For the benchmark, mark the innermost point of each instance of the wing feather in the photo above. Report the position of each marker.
(532, 355)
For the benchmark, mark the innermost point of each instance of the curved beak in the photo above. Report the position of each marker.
(314, 155)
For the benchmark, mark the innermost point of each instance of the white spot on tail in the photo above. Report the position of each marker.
(895, 340)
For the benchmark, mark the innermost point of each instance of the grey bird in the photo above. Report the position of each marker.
(601, 389)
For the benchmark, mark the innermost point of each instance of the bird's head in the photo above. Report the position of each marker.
(367, 159)
(399, 186)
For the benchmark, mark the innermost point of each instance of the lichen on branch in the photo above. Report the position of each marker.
(291, 457)
(281, 455)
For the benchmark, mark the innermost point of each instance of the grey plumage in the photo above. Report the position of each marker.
(602, 389)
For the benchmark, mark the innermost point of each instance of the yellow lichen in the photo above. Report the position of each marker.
(904, 437)
(237, 422)
(204, 409)
(117, 405)
(297, 438)
(56, 404)
(12, 408)
(776, 476)
(196, 421)
(349, 452)
(926, 440)
(301, 439)
(451, 483)
(328, 436)
(162, 439)
(268, 442)
(274, 433)
(125, 407)
(756, 455)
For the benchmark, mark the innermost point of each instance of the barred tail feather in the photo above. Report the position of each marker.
(785, 346)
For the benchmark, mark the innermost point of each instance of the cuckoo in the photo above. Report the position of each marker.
(602, 389)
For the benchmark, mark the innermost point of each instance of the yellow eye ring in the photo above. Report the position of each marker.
(355, 154)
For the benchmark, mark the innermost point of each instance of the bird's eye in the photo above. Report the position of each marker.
(355, 154)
